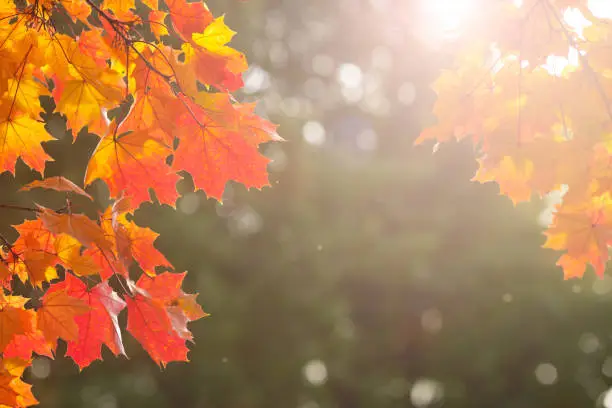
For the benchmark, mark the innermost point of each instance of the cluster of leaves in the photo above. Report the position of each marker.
(153, 80)
(530, 86)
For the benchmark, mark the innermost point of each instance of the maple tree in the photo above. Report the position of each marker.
(530, 86)
(154, 80)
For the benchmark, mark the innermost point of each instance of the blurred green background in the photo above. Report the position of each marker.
(372, 274)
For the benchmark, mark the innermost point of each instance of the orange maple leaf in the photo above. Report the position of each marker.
(214, 154)
(56, 317)
(14, 319)
(76, 225)
(584, 231)
(130, 164)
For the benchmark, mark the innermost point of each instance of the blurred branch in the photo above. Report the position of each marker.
(19, 208)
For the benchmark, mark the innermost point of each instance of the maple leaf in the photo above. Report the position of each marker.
(153, 114)
(37, 250)
(21, 137)
(584, 231)
(56, 316)
(13, 391)
(35, 265)
(76, 225)
(130, 243)
(83, 89)
(57, 183)
(140, 97)
(32, 256)
(138, 243)
(156, 19)
(68, 251)
(24, 94)
(130, 163)
(99, 326)
(120, 8)
(214, 154)
(23, 345)
(77, 9)
(149, 323)
(14, 319)
(224, 65)
(537, 125)
(189, 17)
(158, 314)
(513, 179)
(181, 307)
(5, 272)
(92, 44)
(256, 129)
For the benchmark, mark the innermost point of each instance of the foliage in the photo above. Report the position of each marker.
(153, 80)
(530, 87)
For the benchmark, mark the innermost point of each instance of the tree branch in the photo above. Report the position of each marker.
(19, 208)
(128, 42)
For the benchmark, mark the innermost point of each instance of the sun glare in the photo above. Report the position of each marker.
(447, 17)
(601, 8)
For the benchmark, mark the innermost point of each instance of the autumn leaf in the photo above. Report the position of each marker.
(156, 20)
(76, 225)
(56, 317)
(536, 107)
(208, 49)
(32, 256)
(99, 326)
(83, 89)
(189, 17)
(77, 9)
(214, 155)
(107, 68)
(35, 265)
(584, 231)
(21, 137)
(512, 178)
(120, 8)
(24, 94)
(14, 319)
(13, 391)
(149, 323)
(68, 250)
(158, 314)
(5, 272)
(130, 244)
(181, 307)
(130, 163)
(23, 345)
(57, 183)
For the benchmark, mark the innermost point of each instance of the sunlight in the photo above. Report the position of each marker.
(576, 20)
(447, 17)
(601, 8)
(556, 65)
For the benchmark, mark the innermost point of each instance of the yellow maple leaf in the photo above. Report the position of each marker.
(21, 137)
(215, 36)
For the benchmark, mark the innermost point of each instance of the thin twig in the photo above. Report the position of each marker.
(128, 41)
(20, 208)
